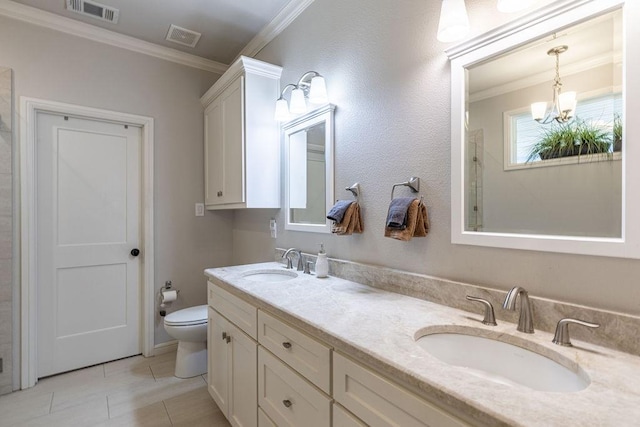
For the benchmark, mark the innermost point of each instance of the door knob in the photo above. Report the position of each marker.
(135, 252)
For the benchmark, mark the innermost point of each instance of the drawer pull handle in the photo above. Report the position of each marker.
(287, 403)
(286, 345)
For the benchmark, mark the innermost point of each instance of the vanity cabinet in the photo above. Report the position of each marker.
(242, 139)
(265, 372)
(232, 366)
(380, 402)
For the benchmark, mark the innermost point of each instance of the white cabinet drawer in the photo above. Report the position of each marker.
(303, 353)
(264, 420)
(344, 418)
(287, 398)
(239, 312)
(379, 402)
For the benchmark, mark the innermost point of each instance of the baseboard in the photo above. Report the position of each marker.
(165, 347)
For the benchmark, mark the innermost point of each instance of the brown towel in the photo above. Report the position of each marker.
(417, 223)
(351, 222)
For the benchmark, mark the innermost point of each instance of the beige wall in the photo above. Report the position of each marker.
(389, 78)
(59, 67)
(6, 229)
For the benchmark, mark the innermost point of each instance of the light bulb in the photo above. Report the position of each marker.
(454, 22)
(567, 101)
(282, 110)
(318, 91)
(298, 104)
(538, 110)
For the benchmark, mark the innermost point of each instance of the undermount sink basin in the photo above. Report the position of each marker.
(270, 275)
(503, 363)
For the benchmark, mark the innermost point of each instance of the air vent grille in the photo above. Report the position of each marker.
(183, 36)
(94, 10)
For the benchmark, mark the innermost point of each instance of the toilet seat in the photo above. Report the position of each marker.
(191, 316)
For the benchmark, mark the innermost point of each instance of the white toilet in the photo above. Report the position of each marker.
(189, 327)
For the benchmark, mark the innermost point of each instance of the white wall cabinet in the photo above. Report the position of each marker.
(242, 139)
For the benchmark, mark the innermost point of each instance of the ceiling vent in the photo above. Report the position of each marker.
(183, 36)
(94, 10)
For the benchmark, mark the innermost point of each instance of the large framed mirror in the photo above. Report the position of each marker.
(308, 153)
(544, 135)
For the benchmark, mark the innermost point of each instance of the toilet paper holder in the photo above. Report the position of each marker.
(168, 286)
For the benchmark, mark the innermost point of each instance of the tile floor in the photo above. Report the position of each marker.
(136, 392)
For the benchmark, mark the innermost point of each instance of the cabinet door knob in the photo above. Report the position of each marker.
(219, 193)
(228, 339)
(224, 335)
(287, 403)
(286, 345)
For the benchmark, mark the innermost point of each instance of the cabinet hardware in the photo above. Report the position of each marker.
(224, 336)
(228, 339)
(287, 403)
(219, 193)
(286, 345)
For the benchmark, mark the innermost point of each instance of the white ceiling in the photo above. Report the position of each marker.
(227, 26)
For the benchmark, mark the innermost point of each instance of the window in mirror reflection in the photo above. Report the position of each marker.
(307, 172)
(513, 184)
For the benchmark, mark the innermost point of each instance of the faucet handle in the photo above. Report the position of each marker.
(307, 267)
(489, 316)
(561, 336)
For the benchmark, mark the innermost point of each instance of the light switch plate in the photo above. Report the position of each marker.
(273, 228)
(199, 209)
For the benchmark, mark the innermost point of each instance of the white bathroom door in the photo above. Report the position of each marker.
(88, 222)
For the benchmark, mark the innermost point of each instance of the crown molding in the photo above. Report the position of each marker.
(286, 16)
(52, 21)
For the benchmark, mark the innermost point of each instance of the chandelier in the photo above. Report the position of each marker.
(563, 105)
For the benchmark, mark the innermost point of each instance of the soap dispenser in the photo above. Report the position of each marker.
(322, 263)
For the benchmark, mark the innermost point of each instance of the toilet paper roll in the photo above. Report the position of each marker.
(169, 296)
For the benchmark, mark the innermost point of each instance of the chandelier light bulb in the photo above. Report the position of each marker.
(538, 110)
(567, 101)
(454, 22)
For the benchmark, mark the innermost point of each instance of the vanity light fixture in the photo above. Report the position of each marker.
(563, 105)
(511, 6)
(311, 86)
(454, 22)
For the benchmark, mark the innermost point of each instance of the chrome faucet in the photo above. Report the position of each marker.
(525, 322)
(561, 336)
(290, 263)
(489, 315)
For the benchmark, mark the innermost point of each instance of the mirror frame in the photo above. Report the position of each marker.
(540, 23)
(321, 115)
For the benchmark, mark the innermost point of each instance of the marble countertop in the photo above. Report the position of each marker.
(380, 328)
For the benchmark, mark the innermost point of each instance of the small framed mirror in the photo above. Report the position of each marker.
(553, 176)
(308, 153)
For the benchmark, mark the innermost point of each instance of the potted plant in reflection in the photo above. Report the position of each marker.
(574, 138)
(617, 133)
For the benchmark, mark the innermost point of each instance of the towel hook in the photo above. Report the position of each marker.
(355, 190)
(413, 183)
